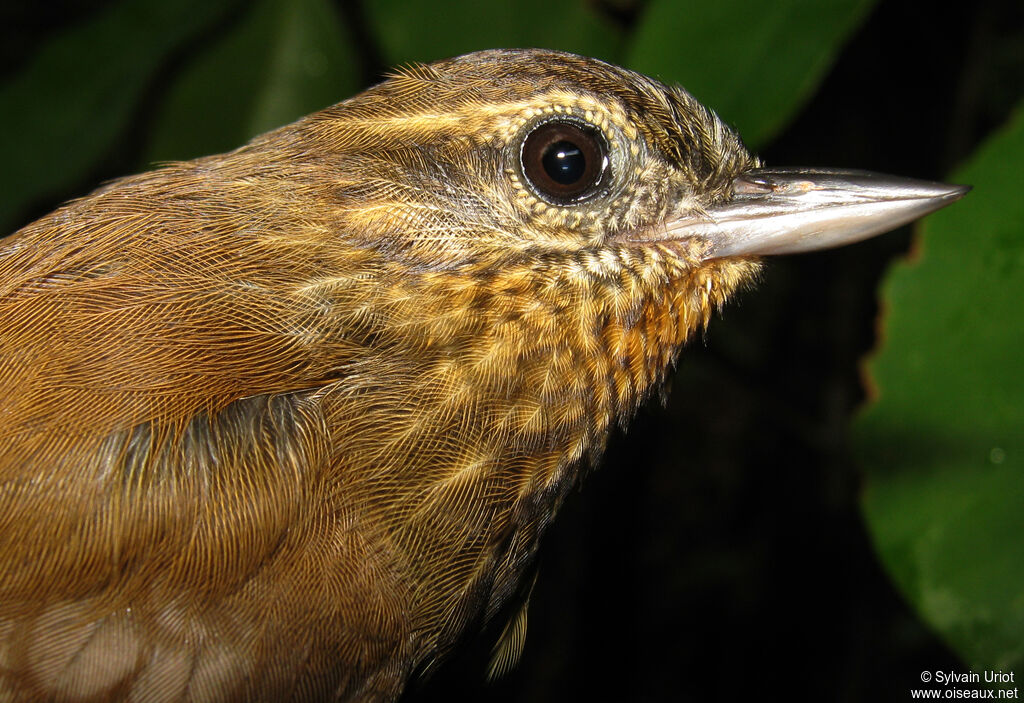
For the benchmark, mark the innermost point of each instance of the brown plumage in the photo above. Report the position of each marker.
(288, 423)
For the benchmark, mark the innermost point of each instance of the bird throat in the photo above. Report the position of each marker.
(519, 371)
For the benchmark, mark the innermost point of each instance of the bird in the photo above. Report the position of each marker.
(290, 423)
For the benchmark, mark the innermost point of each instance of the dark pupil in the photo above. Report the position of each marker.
(564, 162)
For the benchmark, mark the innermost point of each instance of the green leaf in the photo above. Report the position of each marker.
(65, 109)
(286, 58)
(753, 63)
(944, 445)
(424, 32)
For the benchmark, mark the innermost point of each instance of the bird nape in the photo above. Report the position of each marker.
(288, 423)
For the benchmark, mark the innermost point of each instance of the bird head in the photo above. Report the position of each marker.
(503, 156)
(506, 154)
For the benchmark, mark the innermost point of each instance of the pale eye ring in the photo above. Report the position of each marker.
(565, 161)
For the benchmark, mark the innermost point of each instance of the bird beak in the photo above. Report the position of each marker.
(787, 211)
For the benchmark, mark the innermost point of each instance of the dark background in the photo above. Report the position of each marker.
(718, 553)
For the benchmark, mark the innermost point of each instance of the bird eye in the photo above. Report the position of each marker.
(564, 161)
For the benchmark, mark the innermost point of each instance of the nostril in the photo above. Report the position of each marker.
(752, 185)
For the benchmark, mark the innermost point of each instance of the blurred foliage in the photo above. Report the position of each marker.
(280, 60)
(470, 25)
(944, 442)
(755, 62)
(119, 84)
(76, 95)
